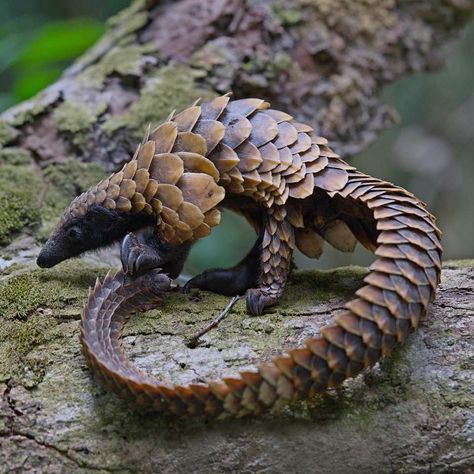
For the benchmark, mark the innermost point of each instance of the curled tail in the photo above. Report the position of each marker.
(398, 290)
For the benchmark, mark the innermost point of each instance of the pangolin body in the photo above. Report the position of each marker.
(296, 192)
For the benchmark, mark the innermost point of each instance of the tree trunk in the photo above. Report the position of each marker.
(324, 62)
(412, 413)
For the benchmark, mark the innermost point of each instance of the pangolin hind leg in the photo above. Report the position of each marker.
(263, 272)
(141, 255)
(275, 258)
(231, 281)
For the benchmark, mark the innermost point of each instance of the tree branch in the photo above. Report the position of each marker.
(324, 61)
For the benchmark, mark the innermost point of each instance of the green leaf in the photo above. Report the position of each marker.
(27, 85)
(61, 41)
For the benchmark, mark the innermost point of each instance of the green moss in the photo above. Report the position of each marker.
(15, 156)
(321, 284)
(262, 70)
(464, 263)
(74, 117)
(122, 29)
(457, 397)
(130, 19)
(65, 181)
(396, 373)
(32, 332)
(24, 293)
(19, 191)
(182, 315)
(17, 211)
(170, 88)
(27, 111)
(33, 309)
(282, 61)
(7, 133)
(124, 60)
(73, 177)
(287, 16)
(16, 341)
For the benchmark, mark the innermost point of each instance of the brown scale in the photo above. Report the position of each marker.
(209, 155)
(186, 166)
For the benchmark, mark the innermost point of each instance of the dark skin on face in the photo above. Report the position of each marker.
(99, 227)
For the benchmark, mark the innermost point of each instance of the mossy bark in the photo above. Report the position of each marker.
(412, 413)
(324, 61)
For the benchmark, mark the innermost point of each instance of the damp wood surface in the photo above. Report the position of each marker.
(56, 418)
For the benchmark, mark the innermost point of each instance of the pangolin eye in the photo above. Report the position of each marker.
(74, 233)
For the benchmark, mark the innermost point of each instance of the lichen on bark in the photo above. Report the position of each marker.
(55, 415)
(32, 201)
(36, 307)
(18, 204)
(170, 88)
(74, 118)
(323, 61)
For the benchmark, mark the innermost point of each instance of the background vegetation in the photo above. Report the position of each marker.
(429, 152)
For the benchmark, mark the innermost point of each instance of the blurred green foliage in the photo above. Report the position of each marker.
(431, 150)
(52, 47)
(38, 40)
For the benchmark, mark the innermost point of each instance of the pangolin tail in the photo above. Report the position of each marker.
(398, 290)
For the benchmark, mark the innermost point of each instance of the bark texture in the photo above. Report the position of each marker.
(413, 413)
(324, 61)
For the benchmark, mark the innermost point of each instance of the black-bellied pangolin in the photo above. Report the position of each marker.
(296, 192)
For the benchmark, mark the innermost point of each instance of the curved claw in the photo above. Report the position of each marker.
(258, 301)
(137, 258)
(159, 282)
(127, 246)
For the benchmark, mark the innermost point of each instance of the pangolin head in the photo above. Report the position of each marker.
(86, 225)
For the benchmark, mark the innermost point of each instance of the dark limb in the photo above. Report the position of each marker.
(231, 281)
(263, 272)
(139, 255)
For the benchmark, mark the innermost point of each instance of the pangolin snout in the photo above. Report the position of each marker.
(49, 255)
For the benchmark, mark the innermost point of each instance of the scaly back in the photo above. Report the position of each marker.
(186, 166)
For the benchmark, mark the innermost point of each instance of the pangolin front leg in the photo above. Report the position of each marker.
(141, 255)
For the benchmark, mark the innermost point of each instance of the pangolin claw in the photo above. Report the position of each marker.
(258, 300)
(158, 282)
(136, 257)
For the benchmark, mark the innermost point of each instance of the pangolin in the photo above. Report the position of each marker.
(296, 192)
